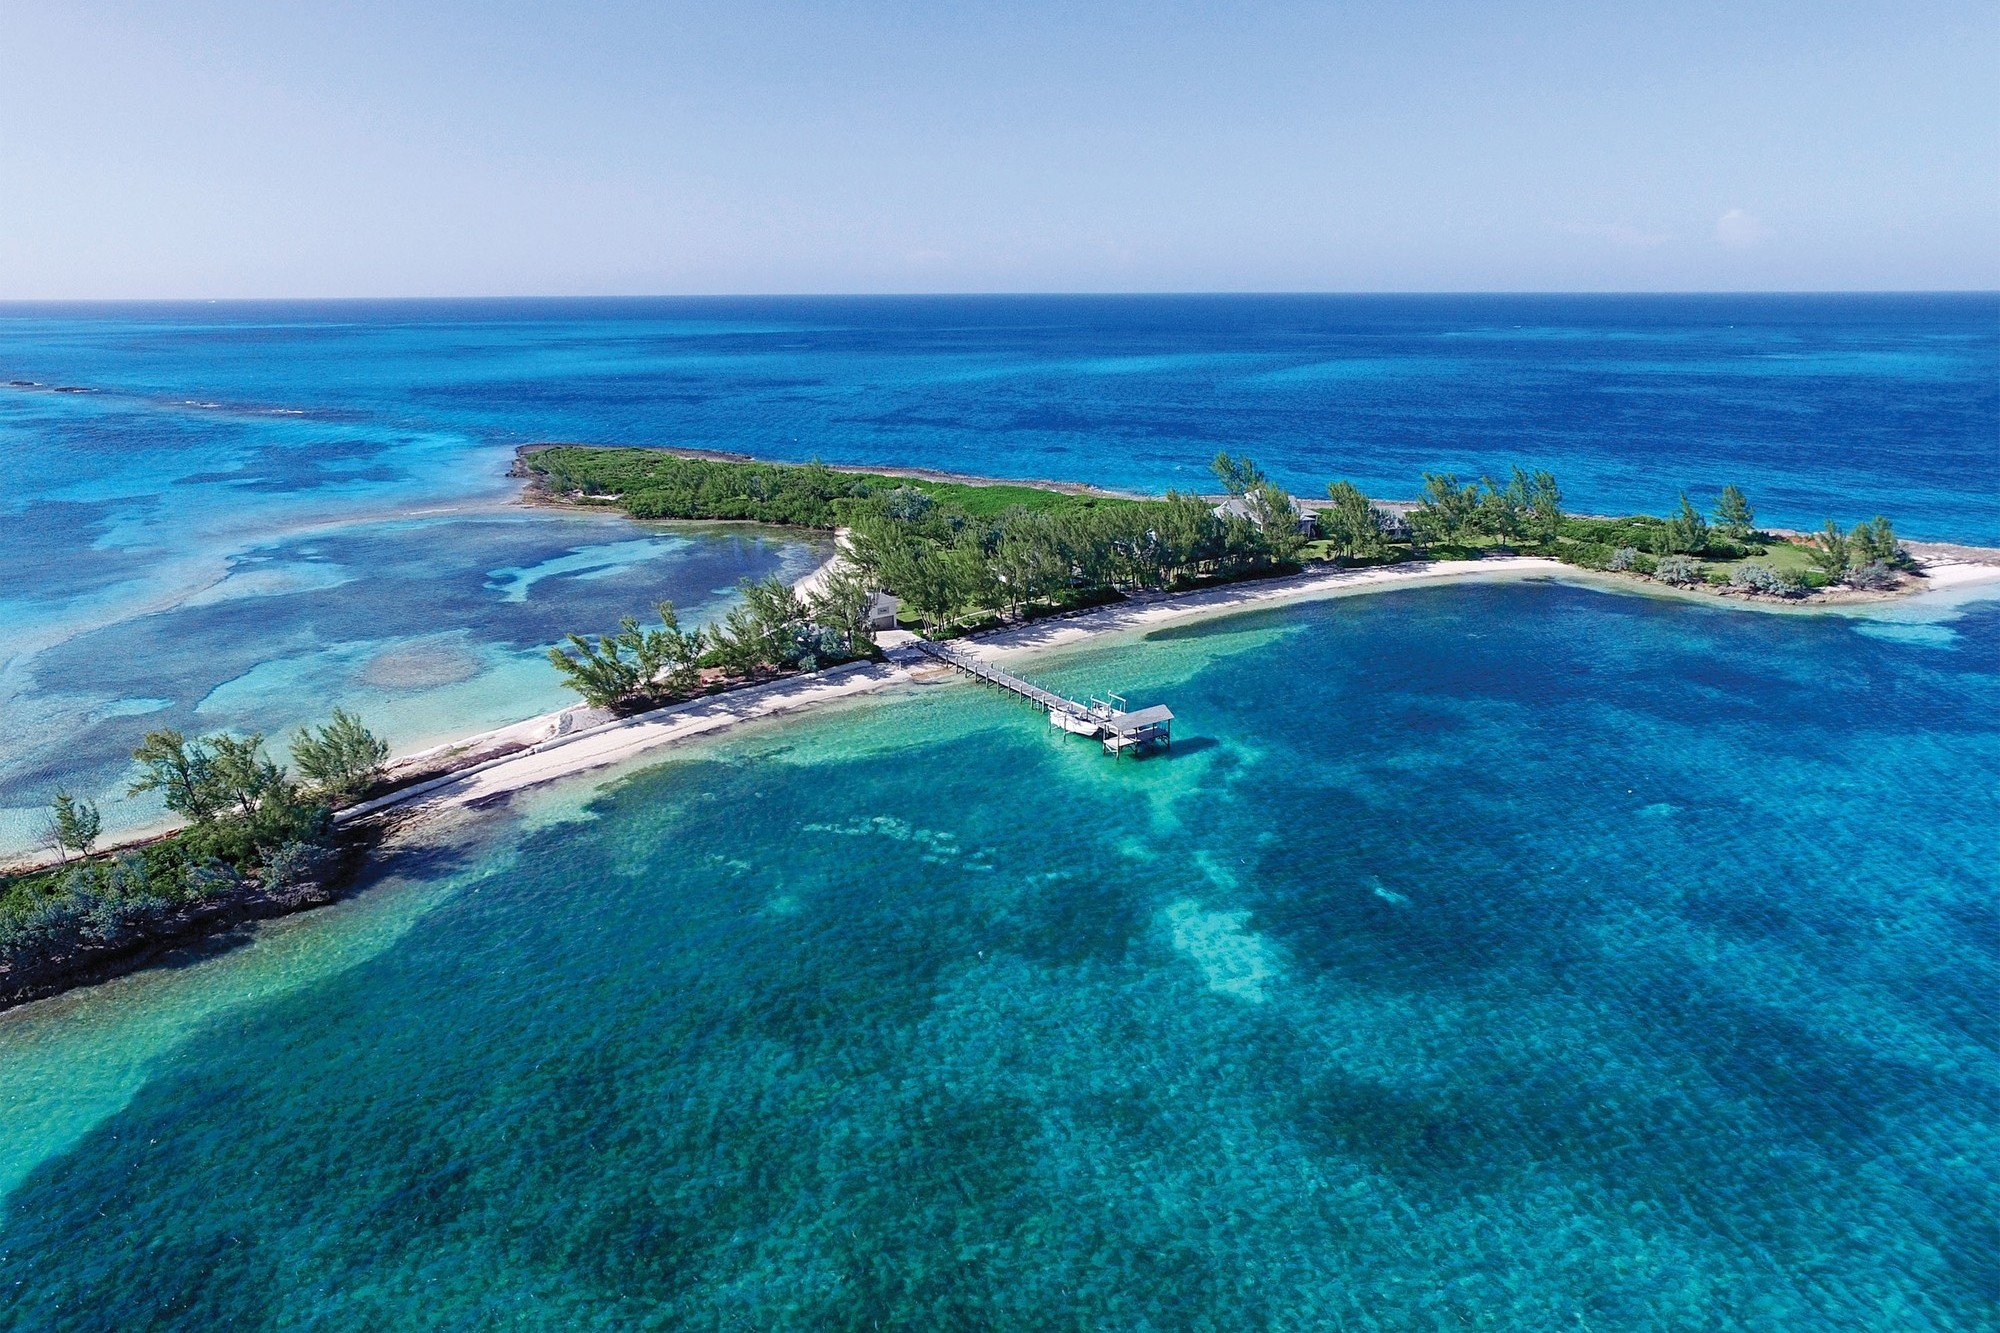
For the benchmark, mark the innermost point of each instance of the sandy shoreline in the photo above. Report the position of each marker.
(576, 740)
(607, 743)
(554, 755)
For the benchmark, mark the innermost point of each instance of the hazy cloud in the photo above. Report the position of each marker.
(1738, 230)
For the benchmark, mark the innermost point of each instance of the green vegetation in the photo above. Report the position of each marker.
(253, 833)
(73, 826)
(1679, 570)
(951, 567)
(619, 667)
(1351, 525)
(343, 758)
(1687, 530)
(1734, 515)
(955, 553)
(770, 630)
(1447, 512)
(647, 483)
(1868, 556)
(960, 554)
(1237, 475)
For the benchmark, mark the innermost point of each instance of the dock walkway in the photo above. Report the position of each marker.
(1108, 721)
(1047, 700)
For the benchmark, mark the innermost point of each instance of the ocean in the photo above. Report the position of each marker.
(1513, 956)
(237, 515)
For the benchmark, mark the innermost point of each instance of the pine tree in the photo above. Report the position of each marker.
(182, 771)
(343, 758)
(1733, 513)
(1687, 530)
(1831, 552)
(1237, 475)
(73, 825)
(1350, 522)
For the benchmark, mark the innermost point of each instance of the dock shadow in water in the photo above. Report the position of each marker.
(1154, 753)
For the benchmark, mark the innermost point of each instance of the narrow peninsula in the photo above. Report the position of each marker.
(1003, 567)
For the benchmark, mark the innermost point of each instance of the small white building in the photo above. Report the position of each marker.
(882, 609)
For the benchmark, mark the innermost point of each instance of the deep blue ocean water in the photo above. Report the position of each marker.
(246, 507)
(1509, 956)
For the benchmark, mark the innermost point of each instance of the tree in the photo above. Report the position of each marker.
(841, 602)
(1190, 536)
(73, 825)
(1277, 517)
(1874, 541)
(669, 658)
(1687, 531)
(632, 661)
(1446, 510)
(1733, 513)
(1503, 510)
(600, 671)
(1829, 551)
(343, 758)
(182, 771)
(921, 579)
(1237, 475)
(1544, 505)
(1351, 522)
(243, 773)
(758, 633)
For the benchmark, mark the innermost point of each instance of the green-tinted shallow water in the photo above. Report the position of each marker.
(1501, 957)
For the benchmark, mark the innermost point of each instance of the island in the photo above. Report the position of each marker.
(1002, 567)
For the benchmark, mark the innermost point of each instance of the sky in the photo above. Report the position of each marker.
(238, 148)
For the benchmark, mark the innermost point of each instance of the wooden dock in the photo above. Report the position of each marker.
(1105, 719)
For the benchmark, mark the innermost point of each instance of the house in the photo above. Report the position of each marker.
(1238, 507)
(882, 609)
(1395, 522)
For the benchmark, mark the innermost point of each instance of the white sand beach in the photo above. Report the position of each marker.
(558, 749)
(576, 741)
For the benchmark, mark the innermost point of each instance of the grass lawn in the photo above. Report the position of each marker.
(993, 501)
(1783, 556)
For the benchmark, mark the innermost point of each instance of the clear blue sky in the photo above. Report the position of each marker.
(196, 148)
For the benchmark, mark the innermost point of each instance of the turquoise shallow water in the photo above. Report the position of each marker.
(431, 628)
(217, 510)
(1510, 956)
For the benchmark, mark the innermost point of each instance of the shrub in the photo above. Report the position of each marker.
(1623, 559)
(1757, 577)
(1591, 555)
(293, 865)
(1679, 570)
(343, 759)
(1875, 576)
(906, 504)
(813, 645)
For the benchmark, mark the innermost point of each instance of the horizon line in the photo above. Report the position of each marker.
(1123, 294)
